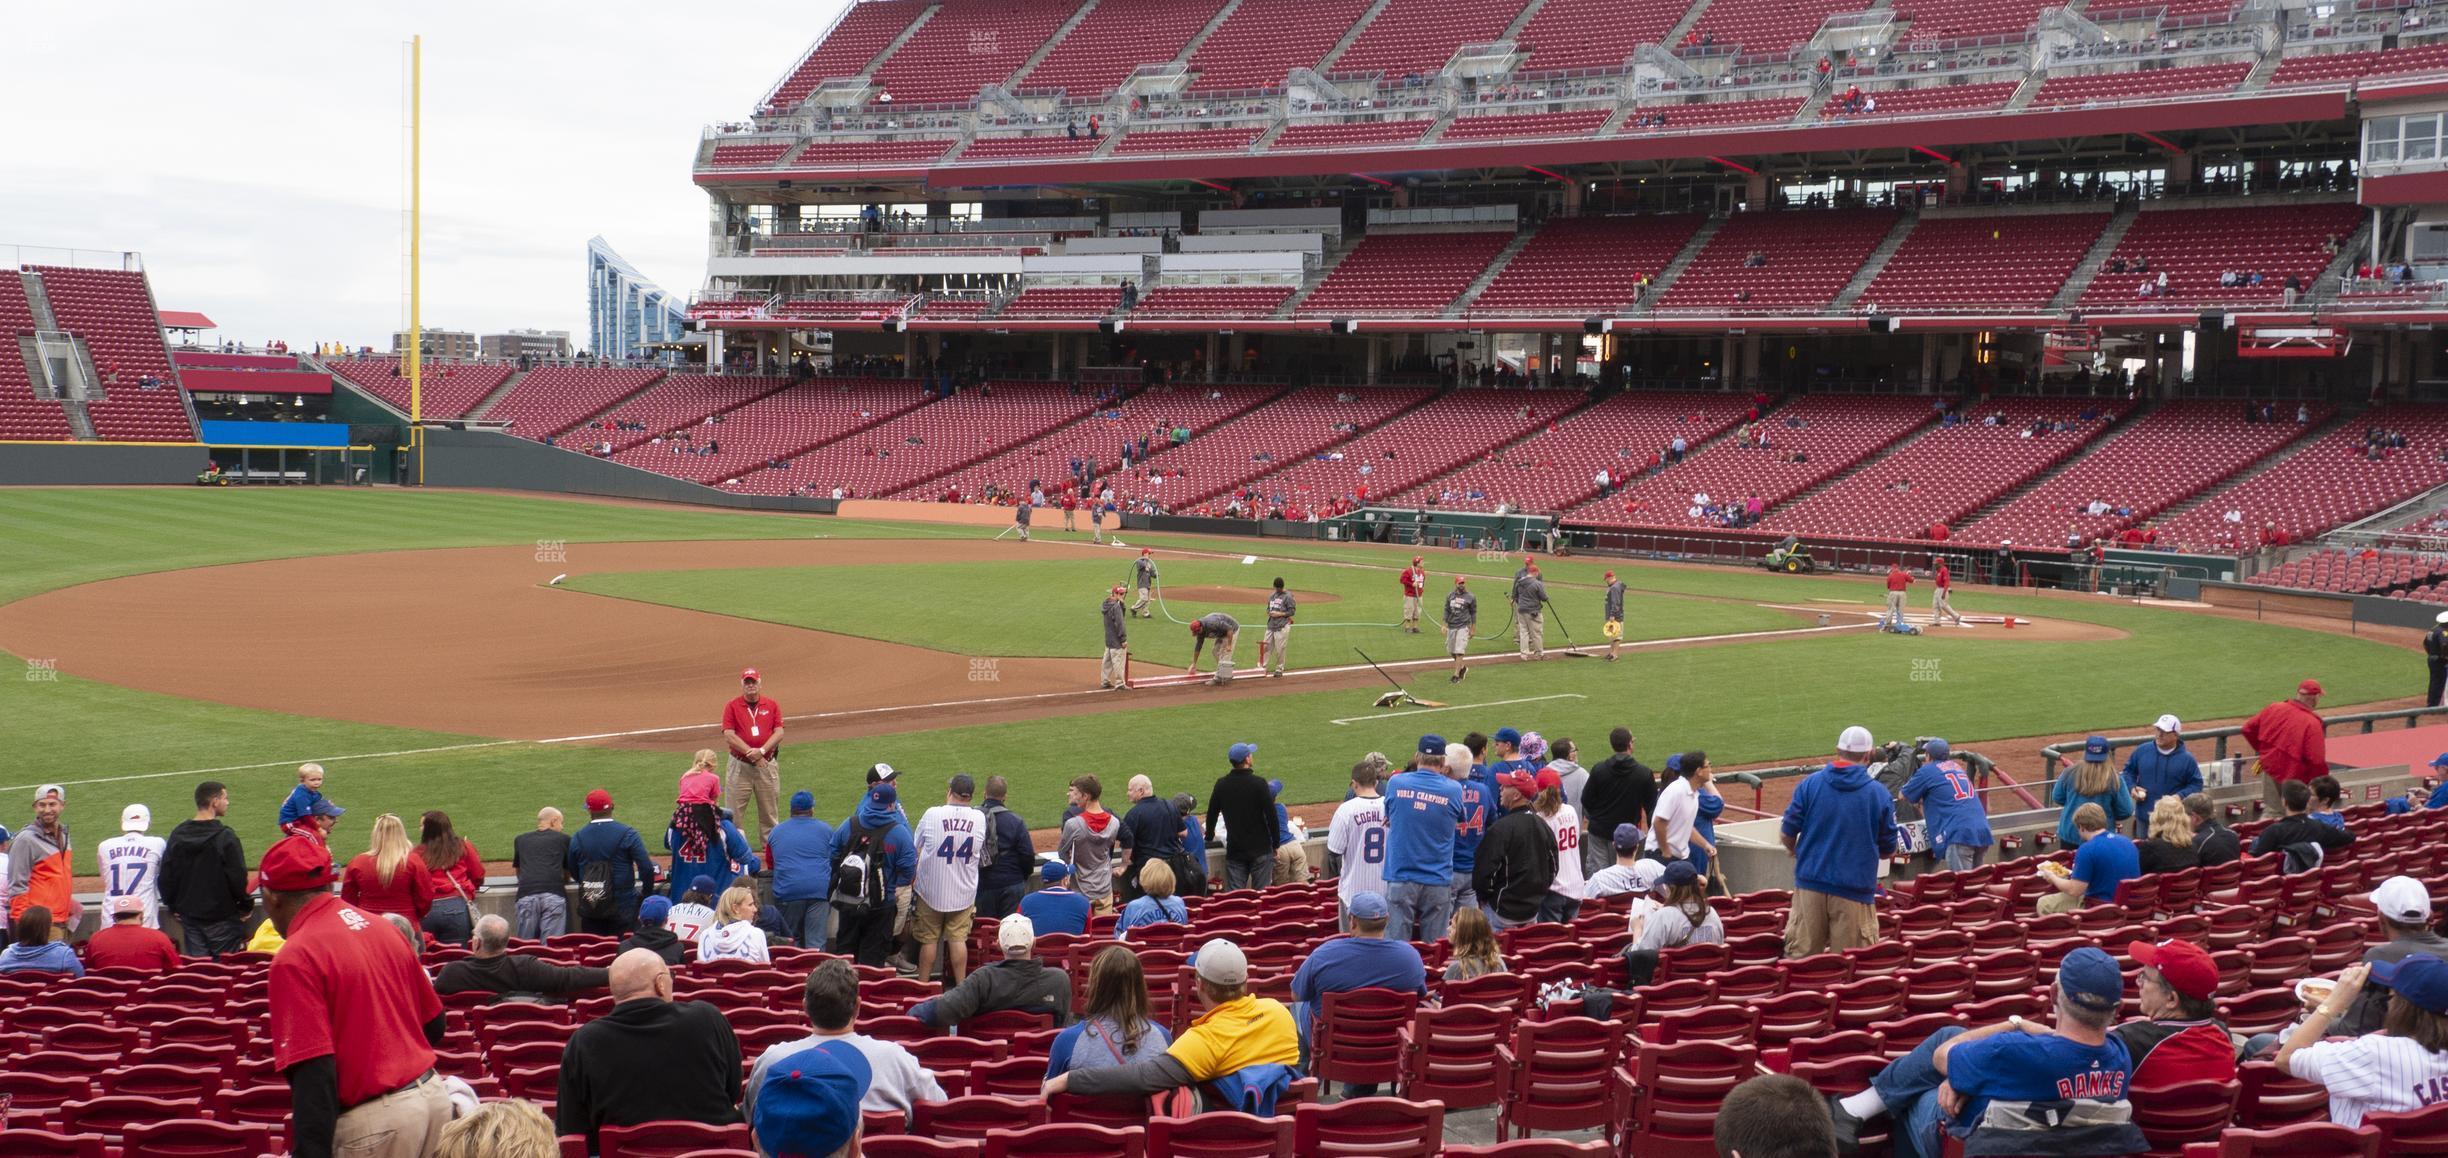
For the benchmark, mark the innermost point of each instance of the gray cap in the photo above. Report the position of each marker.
(1220, 962)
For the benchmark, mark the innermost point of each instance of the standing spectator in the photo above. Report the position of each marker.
(2290, 740)
(1240, 799)
(2103, 861)
(1154, 832)
(354, 1019)
(126, 943)
(1363, 960)
(1250, 1040)
(492, 968)
(654, 933)
(130, 863)
(1678, 809)
(2092, 781)
(1563, 900)
(34, 950)
(2179, 1037)
(873, 855)
(2170, 850)
(1621, 791)
(1018, 981)
(385, 878)
(1115, 1028)
(1291, 840)
(702, 842)
(1056, 908)
(945, 890)
(2295, 832)
(1357, 838)
(204, 877)
(1951, 808)
(2397, 1069)
(541, 860)
(608, 860)
(831, 1002)
(1088, 843)
(1517, 862)
(801, 849)
(1838, 826)
(2213, 843)
(38, 861)
(457, 874)
(735, 935)
(2161, 769)
(1422, 809)
(1010, 854)
(1194, 843)
(1775, 1116)
(1479, 802)
(752, 726)
(2402, 910)
(650, 1059)
(1155, 905)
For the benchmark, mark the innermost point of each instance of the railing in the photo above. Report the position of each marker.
(2364, 722)
(13, 256)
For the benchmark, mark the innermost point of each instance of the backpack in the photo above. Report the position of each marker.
(858, 871)
(596, 900)
(994, 836)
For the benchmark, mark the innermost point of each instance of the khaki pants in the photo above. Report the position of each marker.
(1114, 671)
(1140, 607)
(1819, 923)
(405, 1124)
(762, 781)
(1411, 611)
(1942, 607)
(1895, 605)
(1224, 658)
(1530, 628)
(2054, 902)
(1292, 863)
(1273, 644)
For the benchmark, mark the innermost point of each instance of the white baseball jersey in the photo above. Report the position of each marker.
(951, 839)
(1566, 824)
(2373, 1074)
(689, 922)
(131, 867)
(1358, 835)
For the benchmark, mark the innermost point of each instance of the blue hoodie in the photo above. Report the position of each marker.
(900, 848)
(1841, 823)
(2159, 775)
(802, 849)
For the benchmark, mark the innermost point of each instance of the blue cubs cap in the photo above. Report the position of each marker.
(1628, 838)
(325, 807)
(1053, 872)
(2090, 978)
(1274, 789)
(1674, 763)
(884, 795)
(702, 883)
(803, 801)
(1507, 736)
(809, 1102)
(1432, 745)
(1937, 749)
(1240, 753)
(1369, 906)
(2095, 750)
(1680, 872)
(2419, 977)
(2440, 761)
(654, 910)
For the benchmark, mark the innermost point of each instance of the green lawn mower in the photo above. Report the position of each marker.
(1790, 557)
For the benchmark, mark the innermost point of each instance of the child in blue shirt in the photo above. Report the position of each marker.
(305, 802)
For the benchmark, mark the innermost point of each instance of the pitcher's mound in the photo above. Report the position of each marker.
(1255, 596)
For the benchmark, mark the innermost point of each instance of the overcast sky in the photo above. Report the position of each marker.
(254, 151)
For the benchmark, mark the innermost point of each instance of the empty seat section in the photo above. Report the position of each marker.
(1943, 20)
(551, 399)
(1064, 301)
(1420, 445)
(1235, 140)
(967, 45)
(864, 31)
(679, 402)
(1525, 126)
(1408, 274)
(2321, 484)
(1806, 257)
(23, 415)
(1828, 433)
(1418, 37)
(2064, 91)
(928, 441)
(1556, 468)
(1946, 473)
(2194, 246)
(2360, 572)
(1576, 34)
(898, 151)
(942, 307)
(778, 425)
(754, 155)
(1768, 26)
(1586, 265)
(2012, 261)
(1345, 134)
(1042, 145)
(1950, 98)
(2162, 458)
(1264, 40)
(449, 388)
(1117, 36)
(1771, 111)
(858, 309)
(1289, 429)
(112, 310)
(2334, 67)
(1098, 438)
(1231, 302)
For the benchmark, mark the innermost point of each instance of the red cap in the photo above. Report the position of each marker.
(1147, 550)
(599, 801)
(1415, 560)
(2186, 966)
(1117, 589)
(296, 865)
(749, 673)
(2308, 688)
(1519, 781)
(1549, 778)
(1610, 576)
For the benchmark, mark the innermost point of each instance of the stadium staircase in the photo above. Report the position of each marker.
(1684, 26)
(1877, 261)
(2030, 87)
(498, 393)
(1487, 277)
(1674, 269)
(1052, 42)
(2102, 248)
(38, 301)
(2263, 69)
(1325, 270)
(80, 420)
(1325, 63)
(1521, 21)
(2116, 426)
(907, 34)
(1217, 21)
(2305, 441)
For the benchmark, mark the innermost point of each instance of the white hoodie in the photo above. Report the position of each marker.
(739, 940)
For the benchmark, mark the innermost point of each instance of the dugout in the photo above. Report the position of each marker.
(1462, 530)
(291, 453)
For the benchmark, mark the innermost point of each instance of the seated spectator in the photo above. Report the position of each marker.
(35, 951)
(1115, 1029)
(510, 1128)
(2103, 862)
(812, 1106)
(653, 936)
(1774, 1116)
(650, 1059)
(2328, 802)
(125, 943)
(1156, 904)
(2179, 1037)
(1018, 981)
(2017, 1087)
(2169, 848)
(693, 913)
(735, 935)
(1363, 959)
(2397, 1069)
(2216, 843)
(491, 967)
(1683, 915)
(2305, 841)
(1627, 874)
(2402, 909)
(1056, 908)
(1474, 944)
(1239, 1053)
(897, 1080)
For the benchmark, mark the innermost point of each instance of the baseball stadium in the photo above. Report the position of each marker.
(1486, 577)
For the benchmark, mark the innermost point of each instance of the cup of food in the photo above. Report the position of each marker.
(2050, 868)
(2314, 990)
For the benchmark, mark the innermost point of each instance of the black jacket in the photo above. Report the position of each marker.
(1620, 790)
(649, 1061)
(1015, 858)
(2217, 844)
(541, 857)
(2300, 830)
(1517, 863)
(1240, 797)
(1028, 985)
(1155, 831)
(204, 872)
(516, 973)
(665, 944)
(2158, 856)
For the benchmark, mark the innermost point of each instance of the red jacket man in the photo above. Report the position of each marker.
(2289, 739)
(1414, 585)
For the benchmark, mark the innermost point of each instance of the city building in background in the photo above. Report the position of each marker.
(460, 344)
(514, 344)
(627, 313)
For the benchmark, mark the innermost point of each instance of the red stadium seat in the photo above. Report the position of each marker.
(1378, 1127)
(1560, 1075)
(2421, 1132)
(2309, 1140)
(1446, 1051)
(1359, 1036)
(973, 1116)
(1067, 1140)
(2175, 1116)
(667, 1139)
(912, 1146)
(197, 1138)
(2272, 1099)
(1220, 1134)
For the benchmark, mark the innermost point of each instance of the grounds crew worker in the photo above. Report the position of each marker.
(1226, 631)
(1898, 582)
(1461, 615)
(1280, 608)
(1529, 611)
(1115, 673)
(1414, 585)
(1143, 573)
(2435, 650)
(1614, 615)
(1020, 518)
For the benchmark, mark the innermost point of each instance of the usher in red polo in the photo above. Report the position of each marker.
(753, 724)
(345, 986)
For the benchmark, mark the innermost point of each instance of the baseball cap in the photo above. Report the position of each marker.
(599, 801)
(1646, 873)
(880, 772)
(1937, 749)
(1533, 746)
(1369, 906)
(135, 818)
(1016, 932)
(2186, 966)
(325, 807)
(654, 910)
(803, 801)
(1117, 589)
(962, 785)
(2403, 900)
(1459, 580)
(1147, 550)
(126, 904)
(1053, 872)
(2168, 723)
(51, 790)
(1416, 559)
(1220, 962)
(2095, 750)
(296, 864)
(1240, 752)
(1627, 837)
(2420, 978)
(2440, 761)
(884, 795)
(1432, 745)
(1855, 739)
(2308, 688)
(749, 673)
(2090, 978)
(809, 1102)
(702, 883)
(1547, 778)
(1674, 763)
(1679, 873)
(1610, 576)
(1507, 736)
(1519, 781)
(1274, 789)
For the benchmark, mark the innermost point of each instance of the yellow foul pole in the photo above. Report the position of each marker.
(416, 272)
